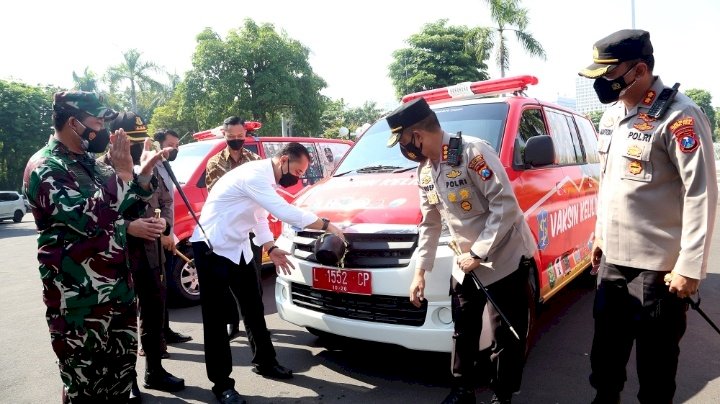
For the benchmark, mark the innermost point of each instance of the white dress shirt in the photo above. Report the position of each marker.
(239, 203)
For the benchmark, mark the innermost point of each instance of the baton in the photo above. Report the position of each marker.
(170, 172)
(160, 249)
(453, 246)
(695, 305)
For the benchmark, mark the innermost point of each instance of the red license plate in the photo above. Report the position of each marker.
(343, 280)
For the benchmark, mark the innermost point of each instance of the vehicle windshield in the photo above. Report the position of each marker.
(189, 158)
(483, 121)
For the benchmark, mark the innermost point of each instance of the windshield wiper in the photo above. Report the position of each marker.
(377, 169)
(402, 170)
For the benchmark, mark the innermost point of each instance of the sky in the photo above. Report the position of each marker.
(351, 43)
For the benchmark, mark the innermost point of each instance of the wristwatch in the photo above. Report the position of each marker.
(326, 223)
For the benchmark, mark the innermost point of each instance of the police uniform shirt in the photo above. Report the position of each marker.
(658, 190)
(479, 207)
(239, 203)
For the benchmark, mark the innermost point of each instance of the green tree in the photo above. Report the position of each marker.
(135, 74)
(85, 82)
(704, 100)
(256, 73)
(172, 115)
(595, 118)
(337, 115)
(25, 121)
(716, 132)
(507, 16)
(436, 58)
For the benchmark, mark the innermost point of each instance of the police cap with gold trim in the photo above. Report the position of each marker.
(133, 125)
(618, 47)
(404, 116)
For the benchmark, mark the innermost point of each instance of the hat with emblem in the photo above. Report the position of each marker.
(133, 125)
(618, 47)
(404, 116)
(82, 101)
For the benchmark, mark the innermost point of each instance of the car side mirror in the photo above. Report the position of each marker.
(539, 151)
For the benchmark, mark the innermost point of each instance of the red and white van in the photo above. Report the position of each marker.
(550, 155)
(189, 169)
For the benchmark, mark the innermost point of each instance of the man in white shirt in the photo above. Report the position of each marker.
(238, 204)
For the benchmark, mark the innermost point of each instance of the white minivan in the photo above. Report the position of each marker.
(12, 206)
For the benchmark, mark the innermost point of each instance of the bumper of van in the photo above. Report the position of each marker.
(435, 335)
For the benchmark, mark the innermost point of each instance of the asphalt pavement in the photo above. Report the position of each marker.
(347, 371)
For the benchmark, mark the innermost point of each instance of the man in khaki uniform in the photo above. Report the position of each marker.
(232, 156)
(488, 227)
(657, 201)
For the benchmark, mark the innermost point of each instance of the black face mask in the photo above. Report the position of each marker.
(609, 90)
(136, 151)
(412, 152)
(173, 155)
(287, 179)
(94, 144)
(235, 144)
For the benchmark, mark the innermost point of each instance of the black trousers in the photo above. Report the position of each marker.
(232, 300)
(216, 274)
(169, 268)
(502, 364)
(635, 305)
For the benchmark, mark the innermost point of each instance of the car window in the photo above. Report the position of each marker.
(567, 148)
(531, 124)
(314, 172)
(9, 196)
(589, 139)
(189, 157)
(484, 121)
(332, 154)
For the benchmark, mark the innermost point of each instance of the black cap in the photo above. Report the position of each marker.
(618, 47)
(133, 125)
(404, 116)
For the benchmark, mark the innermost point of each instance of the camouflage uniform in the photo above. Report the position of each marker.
(91, 312)
(221, 163)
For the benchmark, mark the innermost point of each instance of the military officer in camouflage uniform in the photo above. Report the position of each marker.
(493, 240)
(656, 211)
(232, 156)
(78, 204)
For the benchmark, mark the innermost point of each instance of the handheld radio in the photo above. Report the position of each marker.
(454, 155)
(666, 97)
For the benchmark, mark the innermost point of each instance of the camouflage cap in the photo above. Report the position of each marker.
(83, 101)
(133, 125)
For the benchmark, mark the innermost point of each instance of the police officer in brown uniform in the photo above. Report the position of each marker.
(476, 200)
(147, 261)
(657, 201)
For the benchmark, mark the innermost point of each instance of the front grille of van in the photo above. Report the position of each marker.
(367, 250)
(374, 308)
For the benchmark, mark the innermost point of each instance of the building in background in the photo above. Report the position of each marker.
(566, 102)
(585, 98)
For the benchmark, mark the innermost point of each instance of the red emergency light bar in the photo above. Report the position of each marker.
(250, 126)
(470, 89)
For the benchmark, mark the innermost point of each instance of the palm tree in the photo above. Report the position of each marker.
(136, 73)
(86, 82)
(508, 16)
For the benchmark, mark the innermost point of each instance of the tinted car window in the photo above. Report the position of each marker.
(589, 139)
(567, 149)
(484, 121)
(531, 124)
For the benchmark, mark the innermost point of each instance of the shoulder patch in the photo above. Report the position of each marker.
(477, 162)
(684, 132)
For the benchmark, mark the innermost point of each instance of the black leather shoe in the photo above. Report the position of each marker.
(231, 397)
(233, 331)
(172, 337)
(459, 395)
(134, 394)
(162, 380)
(275, 371)
(603, 397)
